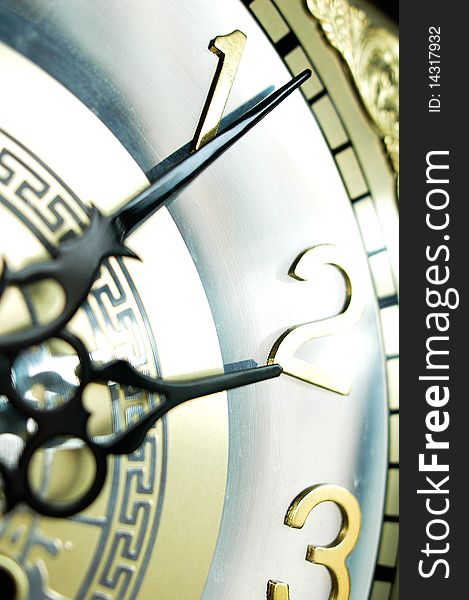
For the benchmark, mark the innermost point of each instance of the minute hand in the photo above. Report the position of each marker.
(142, 206)
(77, 264)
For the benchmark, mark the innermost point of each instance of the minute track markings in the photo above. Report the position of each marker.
(359, 199)
(388, 301)
(354, 199)
(391, 519)
(385, 573)
(339, 149)
(287, 44)
(317, 97)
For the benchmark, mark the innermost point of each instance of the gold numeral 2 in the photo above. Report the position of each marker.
(283, 351)
(229, 49)
(333, 556)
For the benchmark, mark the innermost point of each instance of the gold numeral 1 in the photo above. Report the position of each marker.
(283, 351)
(229, 49)
(277, 590)
(333, 556)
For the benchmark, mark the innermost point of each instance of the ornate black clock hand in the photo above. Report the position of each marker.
(139, 209)
(175, 393)
(77, 264)
(70, 421)
(75, 268)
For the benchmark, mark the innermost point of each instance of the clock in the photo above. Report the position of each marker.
(282, 250)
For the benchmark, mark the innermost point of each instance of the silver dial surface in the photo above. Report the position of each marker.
(224, 248)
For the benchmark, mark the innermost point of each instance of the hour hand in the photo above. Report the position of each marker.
(175, 393)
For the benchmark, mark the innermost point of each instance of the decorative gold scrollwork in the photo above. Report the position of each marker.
(372, 56)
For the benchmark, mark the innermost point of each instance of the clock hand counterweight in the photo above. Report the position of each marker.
(78, 261)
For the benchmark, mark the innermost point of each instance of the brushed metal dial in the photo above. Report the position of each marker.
(144, 69)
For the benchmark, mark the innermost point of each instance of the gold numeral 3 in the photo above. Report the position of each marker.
(333, 556)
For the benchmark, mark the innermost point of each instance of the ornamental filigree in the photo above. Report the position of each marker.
(372, 56)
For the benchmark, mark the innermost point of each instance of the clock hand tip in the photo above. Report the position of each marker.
(303, 76)
(277, 370)
(270, 371)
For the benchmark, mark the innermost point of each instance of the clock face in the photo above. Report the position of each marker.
(282, 251)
